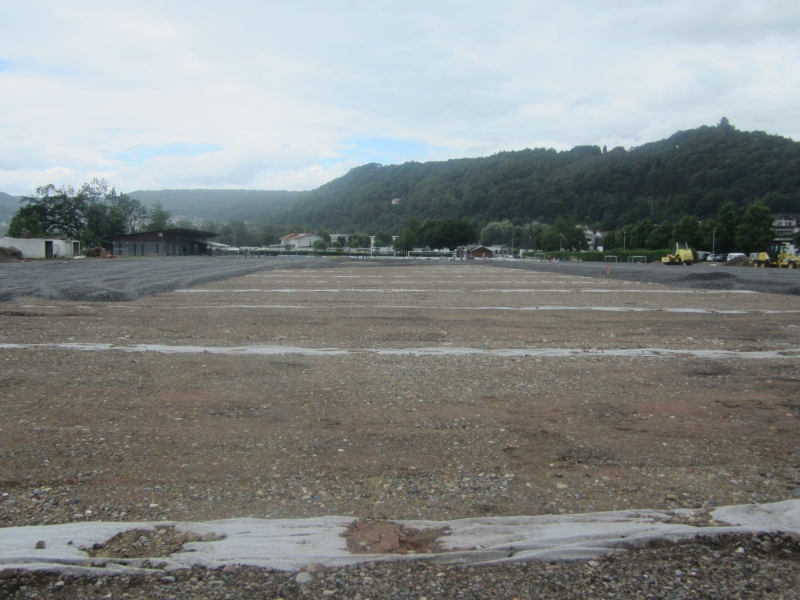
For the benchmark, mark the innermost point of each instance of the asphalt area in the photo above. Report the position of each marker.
(293, 392)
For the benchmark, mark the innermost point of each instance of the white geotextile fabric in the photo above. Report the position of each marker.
(289, 544)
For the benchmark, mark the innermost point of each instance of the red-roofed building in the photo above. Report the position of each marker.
(294, 241)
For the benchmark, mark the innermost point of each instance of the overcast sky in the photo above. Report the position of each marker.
(289, 95)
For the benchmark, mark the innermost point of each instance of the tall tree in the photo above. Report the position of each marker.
(50, 211)
(727, 225)
(687, 229)
(135, 212)
(755, 228)
(383, 239)
(159, 218)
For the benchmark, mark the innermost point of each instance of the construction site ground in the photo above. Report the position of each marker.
(540, 392)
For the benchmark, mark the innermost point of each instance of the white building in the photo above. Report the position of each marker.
(43, 247)
(295, 241)
(593, 238)
(785, 227)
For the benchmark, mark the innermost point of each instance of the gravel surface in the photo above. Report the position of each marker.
(118, 280)
(759, 566)
(708, 276)
(114, 436)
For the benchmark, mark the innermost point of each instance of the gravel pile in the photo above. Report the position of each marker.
(704, 276)
(741, 566)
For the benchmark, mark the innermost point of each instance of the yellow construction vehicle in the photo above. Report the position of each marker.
(773, 255)
(680, 255)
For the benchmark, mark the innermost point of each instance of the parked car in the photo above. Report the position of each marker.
(733, 255)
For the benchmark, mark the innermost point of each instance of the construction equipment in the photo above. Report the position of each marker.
(680, 255)
(773, 255)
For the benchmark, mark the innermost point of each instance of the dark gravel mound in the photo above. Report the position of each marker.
(123, 280)
(741, 261)
(701, 276)
(714, 276)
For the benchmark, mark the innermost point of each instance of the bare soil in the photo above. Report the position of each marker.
(385, 537)
(106, 435)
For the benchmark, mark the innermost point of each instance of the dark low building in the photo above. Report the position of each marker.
(479, 252)
(164, 242)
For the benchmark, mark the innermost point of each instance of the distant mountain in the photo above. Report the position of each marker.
(220, 205)
(692, 172)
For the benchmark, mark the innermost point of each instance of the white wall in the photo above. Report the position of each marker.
(34, 247)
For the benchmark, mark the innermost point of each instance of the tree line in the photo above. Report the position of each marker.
(746, 229)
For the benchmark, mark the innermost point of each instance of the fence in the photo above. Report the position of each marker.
(621, 255)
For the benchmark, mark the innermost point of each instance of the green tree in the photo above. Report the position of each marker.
(640, 234)
(755, 228)
(383, 239)
(159, 218)
(135, 212)
(447, 233)
(687, 229)
(497, 233)
(320, 245)
(359, 240)
(28, 220)
(727, 226)
(661, 236)
(610, 241)
(103, 222)
(406, 241)
(51, 210)
(325, 236)
(550, 239)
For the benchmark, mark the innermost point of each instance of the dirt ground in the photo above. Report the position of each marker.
(145, 435)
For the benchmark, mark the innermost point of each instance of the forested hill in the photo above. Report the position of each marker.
(220, 205)
(693, 172)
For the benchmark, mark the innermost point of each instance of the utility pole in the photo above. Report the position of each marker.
(714, 242)
(624, 240)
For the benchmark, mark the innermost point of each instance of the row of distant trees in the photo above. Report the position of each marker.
(96, 212)
(747, 229)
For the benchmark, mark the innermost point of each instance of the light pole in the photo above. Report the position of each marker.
(714, 242)
(624, 240)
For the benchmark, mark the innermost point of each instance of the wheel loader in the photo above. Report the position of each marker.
(680, 255)
(774, 256)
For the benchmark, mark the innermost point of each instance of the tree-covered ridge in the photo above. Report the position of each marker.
(691, 173)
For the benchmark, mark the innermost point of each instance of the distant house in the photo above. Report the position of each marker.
(43, 247)
(593, 238)
(395, 201)
(295, 241)
(785, 225)
(479, 252)
(164, 242)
